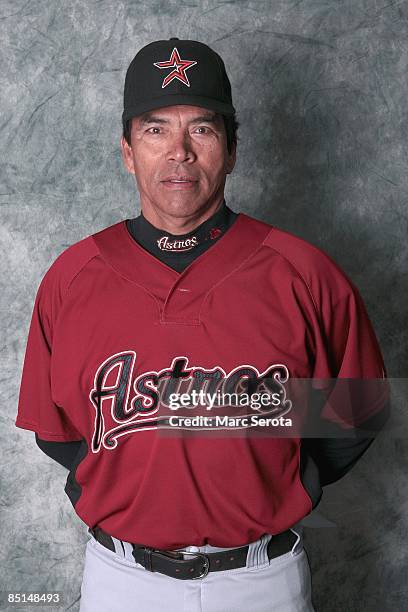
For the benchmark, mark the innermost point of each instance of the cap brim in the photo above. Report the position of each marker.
(172, 100)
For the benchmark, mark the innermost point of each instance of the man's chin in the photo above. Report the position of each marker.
(180, 204)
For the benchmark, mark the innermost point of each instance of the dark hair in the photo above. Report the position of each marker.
(230, 122)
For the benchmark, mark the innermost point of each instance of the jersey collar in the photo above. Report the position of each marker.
(180, 296)
(179, 250)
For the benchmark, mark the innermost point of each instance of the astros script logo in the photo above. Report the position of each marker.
(119, 412)
(179, 68)
(165, 244)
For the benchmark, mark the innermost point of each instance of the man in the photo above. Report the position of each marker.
(191, 299)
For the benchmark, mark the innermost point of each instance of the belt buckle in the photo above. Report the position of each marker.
(206, 562)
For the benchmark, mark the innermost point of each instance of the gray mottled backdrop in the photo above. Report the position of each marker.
(321, 92)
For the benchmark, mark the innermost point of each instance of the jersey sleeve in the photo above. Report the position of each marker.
(348, 388)
(349, 366)
(352, 380)
(37, 410)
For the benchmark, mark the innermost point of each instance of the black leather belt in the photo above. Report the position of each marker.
(172, 562)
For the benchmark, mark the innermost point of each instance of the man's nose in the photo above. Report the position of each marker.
(180, 147)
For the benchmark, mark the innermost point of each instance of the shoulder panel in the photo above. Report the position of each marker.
(322, 275)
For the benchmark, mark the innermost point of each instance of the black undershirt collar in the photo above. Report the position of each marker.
(179, 250)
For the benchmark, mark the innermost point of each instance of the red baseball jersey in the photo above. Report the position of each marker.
(111, 323)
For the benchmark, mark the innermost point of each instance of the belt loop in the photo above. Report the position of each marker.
(148, 558)
(257, 555)
(119, 547)
(297, 529)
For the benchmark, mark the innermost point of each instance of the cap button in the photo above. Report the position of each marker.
(174, 38)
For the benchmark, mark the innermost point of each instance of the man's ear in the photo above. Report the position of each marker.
(127, 155)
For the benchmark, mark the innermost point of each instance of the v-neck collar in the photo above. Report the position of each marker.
(180, 295)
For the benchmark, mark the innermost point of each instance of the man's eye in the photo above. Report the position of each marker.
(153, 128)
(204, 128)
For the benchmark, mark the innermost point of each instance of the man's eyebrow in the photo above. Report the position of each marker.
(152, 119)
(208, 118)
(205, 118)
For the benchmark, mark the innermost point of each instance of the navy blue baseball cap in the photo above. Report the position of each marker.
(169, 72)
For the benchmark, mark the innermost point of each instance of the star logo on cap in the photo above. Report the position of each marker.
(179, 65)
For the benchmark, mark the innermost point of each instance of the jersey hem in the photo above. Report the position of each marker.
(44, 435)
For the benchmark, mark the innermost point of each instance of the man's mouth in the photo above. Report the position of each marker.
(182, 183)
(181, 178)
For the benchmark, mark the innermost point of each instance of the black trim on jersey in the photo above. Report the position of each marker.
(72, 488)
(309, 475)
(335, 456)
(62, 452)
(147, 235)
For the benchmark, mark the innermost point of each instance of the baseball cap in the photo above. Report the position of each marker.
(174, 71)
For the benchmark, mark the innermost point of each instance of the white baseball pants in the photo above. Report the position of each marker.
(114, 582)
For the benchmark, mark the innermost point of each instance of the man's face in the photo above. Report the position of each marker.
(180, 159)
